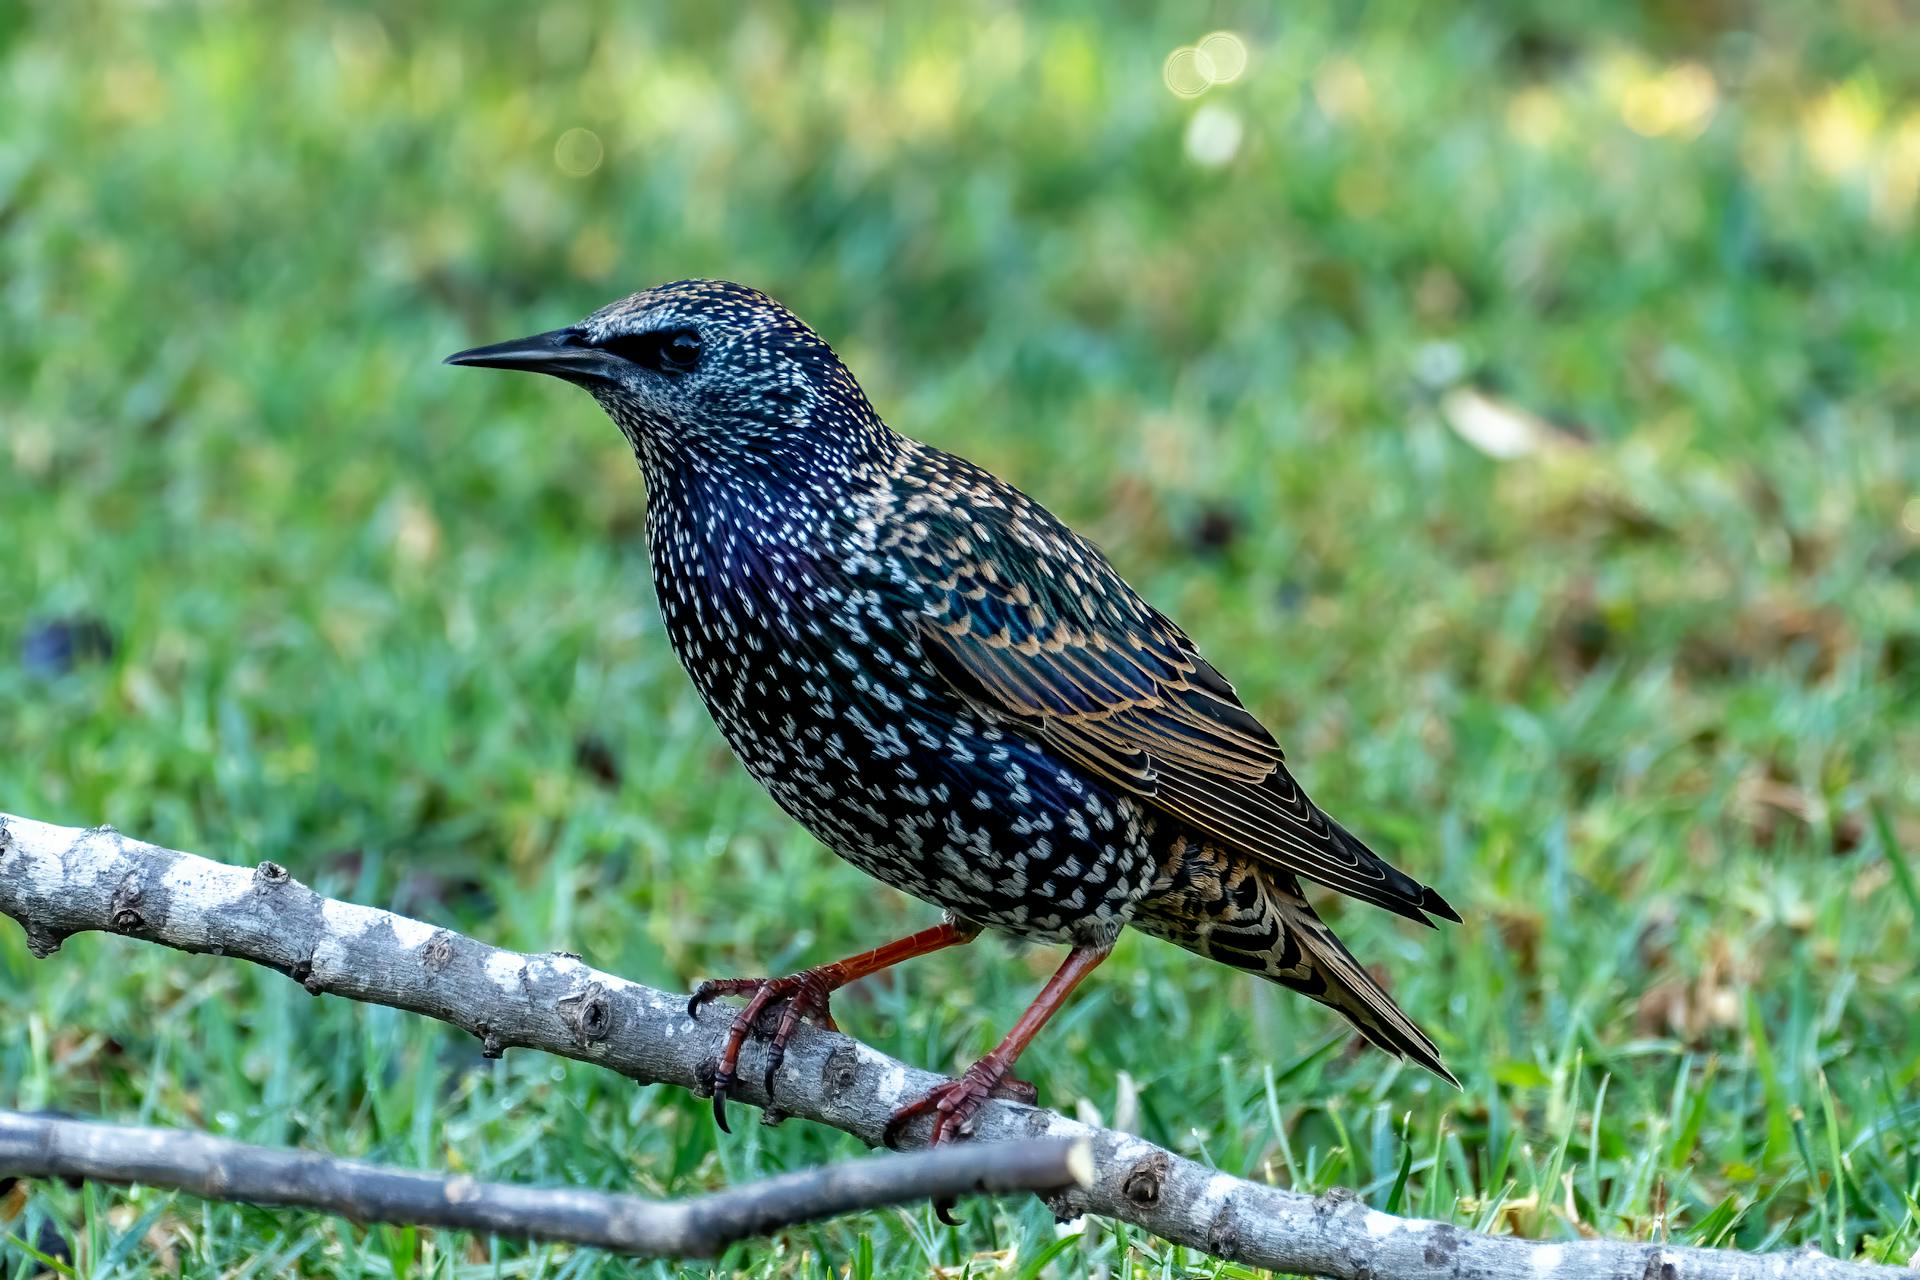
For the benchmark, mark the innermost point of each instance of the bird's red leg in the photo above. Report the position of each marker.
(806, 994)
(955, 1103)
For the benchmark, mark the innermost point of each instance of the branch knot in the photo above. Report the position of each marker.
(43, 941)
(438, 953)
(302, 973)
(1144, 1180)
(125, 914)
(1223, 1233)
(840, 1071)
(587, 1014)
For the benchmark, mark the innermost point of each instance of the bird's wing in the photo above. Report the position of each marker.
(1029, 621)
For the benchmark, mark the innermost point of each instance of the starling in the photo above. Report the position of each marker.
(951, 689)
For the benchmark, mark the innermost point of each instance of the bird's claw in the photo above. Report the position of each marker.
(804, 994)
(706, 992)
(1021, 1091)
(955, 1105)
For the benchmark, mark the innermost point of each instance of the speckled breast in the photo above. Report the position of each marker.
(822, 691)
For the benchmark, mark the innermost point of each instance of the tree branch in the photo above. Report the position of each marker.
(57, 881)
(217, 1169)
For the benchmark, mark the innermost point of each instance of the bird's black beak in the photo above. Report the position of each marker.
(564, 353)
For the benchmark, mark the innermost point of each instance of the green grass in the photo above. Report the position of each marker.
(1646, 708)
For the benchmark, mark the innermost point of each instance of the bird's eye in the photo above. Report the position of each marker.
(664, 351)
(681, 350)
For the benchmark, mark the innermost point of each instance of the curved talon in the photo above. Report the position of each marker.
(722, 1081)
(804, 995)
(704, 994)
(776, 1054)
(943, 1210)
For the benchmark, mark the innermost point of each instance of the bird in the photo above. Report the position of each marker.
(951, 690)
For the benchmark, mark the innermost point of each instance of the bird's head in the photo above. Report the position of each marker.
(711, 376)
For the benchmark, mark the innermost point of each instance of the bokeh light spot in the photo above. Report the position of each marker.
(1228, 54)
(1680, 100)
(578, 152)
(1192, 69)
(1188, 72)
(1213, 136)
(1341, 90)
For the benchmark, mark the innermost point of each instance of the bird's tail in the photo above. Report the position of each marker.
(1227, 908)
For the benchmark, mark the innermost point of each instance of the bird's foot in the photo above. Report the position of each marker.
(802, 995)
(955, 1104)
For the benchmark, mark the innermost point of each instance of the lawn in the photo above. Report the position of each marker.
(1520, 407)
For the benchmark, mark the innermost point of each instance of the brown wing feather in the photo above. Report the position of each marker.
(1030, 621)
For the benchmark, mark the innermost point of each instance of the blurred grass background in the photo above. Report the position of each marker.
(1518, 402)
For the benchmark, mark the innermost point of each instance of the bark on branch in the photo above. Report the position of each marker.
(58, 881)
(47, 1147)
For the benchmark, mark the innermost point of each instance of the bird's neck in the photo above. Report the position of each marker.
(746, 564)
(735, 518)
